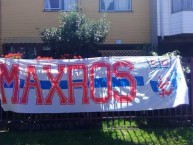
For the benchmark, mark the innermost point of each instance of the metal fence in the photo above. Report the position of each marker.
(181, 115)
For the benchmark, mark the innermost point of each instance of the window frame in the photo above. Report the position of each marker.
(127, 10)
(182, 8)
(52, 9)
(60, 7)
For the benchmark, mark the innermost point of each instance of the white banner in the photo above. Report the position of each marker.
(92, 85)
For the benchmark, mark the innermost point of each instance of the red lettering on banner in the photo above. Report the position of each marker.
(130, 78)
(8, 77)
(83, 83)
(163, 85)
(157, 63)
(55, 85)
(109, 82)
(29, 84)
(154, 63)
(165, 62)
(11, 76)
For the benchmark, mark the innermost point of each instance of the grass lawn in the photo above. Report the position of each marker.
(103, 136)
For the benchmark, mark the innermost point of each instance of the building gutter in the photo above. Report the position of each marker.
(154, 23)
(161, 20)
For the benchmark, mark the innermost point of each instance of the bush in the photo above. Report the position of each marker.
(76, 34)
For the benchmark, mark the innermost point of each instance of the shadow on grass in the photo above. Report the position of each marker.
(130, 136)
(164, 132)
(114, 132)
(70, 137)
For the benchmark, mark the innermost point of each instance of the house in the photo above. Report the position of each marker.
(175, 26)
(23, 20)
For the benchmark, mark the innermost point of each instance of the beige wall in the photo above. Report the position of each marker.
(25, 18)
(130, 27)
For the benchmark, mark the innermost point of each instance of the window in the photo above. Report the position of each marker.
(57, 5)
(182, 5)
(115, 5)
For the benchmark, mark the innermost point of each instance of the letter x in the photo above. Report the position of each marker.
(55, 85)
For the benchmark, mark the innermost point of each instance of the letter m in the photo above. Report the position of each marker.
(9, 77)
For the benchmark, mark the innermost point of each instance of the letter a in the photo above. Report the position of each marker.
(32, 84)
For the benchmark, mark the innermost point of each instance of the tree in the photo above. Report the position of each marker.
(76, 34)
